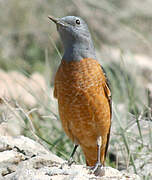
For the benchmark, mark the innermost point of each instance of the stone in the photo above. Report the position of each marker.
(22, 158)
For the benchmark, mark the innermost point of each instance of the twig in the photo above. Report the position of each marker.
(32, 128)
(12, 110)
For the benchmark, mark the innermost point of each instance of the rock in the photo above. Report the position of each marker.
(24, 159)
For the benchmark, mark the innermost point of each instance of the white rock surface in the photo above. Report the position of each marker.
(24, 159)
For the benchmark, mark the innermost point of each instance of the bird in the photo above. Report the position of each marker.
(82, 90)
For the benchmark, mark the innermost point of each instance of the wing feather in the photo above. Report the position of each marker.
(107, 90)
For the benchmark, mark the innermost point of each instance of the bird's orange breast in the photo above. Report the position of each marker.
(81, 90)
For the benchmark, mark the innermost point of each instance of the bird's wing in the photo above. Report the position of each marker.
(55, 90)
(107, 90)
(109, 96)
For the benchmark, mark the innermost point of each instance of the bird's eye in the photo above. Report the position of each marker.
(77, 21)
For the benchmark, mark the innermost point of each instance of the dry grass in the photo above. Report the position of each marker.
(30, 53)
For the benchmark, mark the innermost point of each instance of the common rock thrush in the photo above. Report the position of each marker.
(82, 90)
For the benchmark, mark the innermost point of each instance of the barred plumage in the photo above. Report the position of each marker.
(83, 100)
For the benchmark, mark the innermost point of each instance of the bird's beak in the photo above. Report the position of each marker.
(55, 20)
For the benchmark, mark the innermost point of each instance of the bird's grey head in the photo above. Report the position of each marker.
(76, 38)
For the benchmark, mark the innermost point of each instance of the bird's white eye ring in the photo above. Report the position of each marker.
(77, 21)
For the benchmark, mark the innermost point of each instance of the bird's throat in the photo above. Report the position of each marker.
(77, 52)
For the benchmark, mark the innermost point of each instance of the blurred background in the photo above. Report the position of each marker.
(30, 52)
